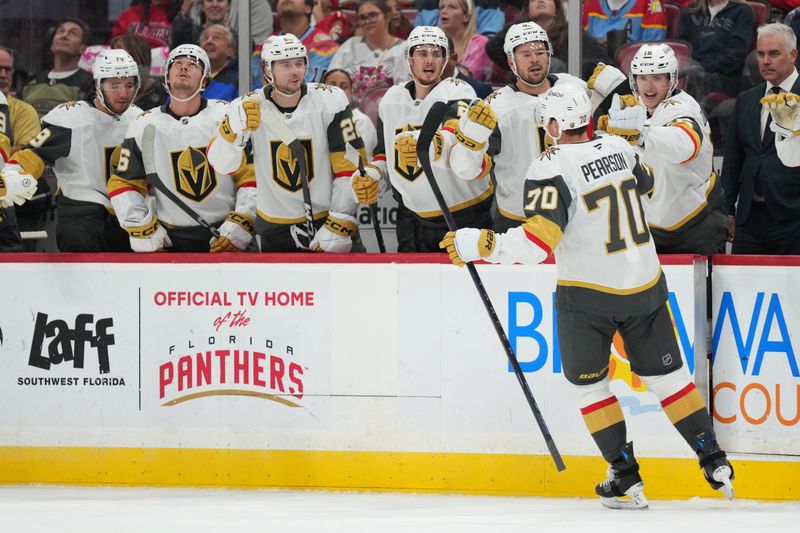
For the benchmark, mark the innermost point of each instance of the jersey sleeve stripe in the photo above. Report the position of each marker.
(544, 233)
(118, 185)
(695, 138)
(28, 160)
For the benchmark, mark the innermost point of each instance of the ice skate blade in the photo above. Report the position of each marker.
(722, 475)
(635, 501)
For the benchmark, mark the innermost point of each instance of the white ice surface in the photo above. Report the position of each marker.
(29, 509)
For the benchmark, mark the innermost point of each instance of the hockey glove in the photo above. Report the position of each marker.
(336, 235)
(243, 115)
(469, 244)
(152, 237)
(234, 234)
(15, 187)
(605, 79)
(785, 111)
(476, 125)
(366, 187)
(626, 118)
(405, 146)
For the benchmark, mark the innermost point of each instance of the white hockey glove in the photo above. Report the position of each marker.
(605, 79)
(366, 188)
(243, 116)
(234, 234)
(405, 145)
(15, 187)
(476, 125)
(152, 237)
(626, 118)
(785, 111)
(336, 235)
(469, 244)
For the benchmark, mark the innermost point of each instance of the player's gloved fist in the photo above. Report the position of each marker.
(336, 235)
(469, 244)
(785, 111)
(243, 115)
(234, 234)
(151, 237)
(405, 145)
(15, 187)
(476, 125)
(626, 118)
(366, 187)
(605, 79)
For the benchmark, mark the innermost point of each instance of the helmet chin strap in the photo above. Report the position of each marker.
(197, 91)
(271, 81)
(529, 84)
(102, 98)
(438, 78)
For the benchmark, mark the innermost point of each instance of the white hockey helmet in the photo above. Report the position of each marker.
(195, 53)
(654, 59)
(523, 33)
(568, 104)
(432, 35)
(278, 48)
(114, 64)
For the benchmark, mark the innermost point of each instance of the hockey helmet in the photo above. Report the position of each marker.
(432, 35)
(568, 104)
(114, 64)
(654, 59)
(192, 51)
(279, 47)
(523, 33)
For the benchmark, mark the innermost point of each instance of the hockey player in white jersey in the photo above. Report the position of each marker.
(184, 127)
(516, 139)
(582, 203)
(320, 117)
(685, 209)
(79, 140)
(785, 111)
(401, 112)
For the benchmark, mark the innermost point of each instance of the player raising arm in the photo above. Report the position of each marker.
(582, 203)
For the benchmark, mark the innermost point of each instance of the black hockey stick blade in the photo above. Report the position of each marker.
(352, 155)
(148, 158)
(432, 122)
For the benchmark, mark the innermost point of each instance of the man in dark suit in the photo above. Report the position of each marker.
(766, 219)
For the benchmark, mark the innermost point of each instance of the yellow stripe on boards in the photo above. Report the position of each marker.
(513, 475)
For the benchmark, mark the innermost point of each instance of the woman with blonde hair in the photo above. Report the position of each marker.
(457, 20)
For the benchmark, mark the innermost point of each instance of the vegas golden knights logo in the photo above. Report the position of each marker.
(409, 173)
(545, 141)
(194, 178)
(285, 168)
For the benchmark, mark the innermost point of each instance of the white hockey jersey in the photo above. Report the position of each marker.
(399, 110)
(582, 203)
(323, 123)
(678, 147)
(518, 139)
(180, 159)
(79, 141)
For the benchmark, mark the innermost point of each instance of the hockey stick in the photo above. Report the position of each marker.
(148, 158)
(429, 128)
(352, 155)
(273, 119)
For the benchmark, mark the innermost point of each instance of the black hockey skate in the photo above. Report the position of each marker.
(716, 468)
(623, 487)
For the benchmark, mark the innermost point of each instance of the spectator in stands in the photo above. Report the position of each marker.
(151, 91)
(65, 82)
(720, 32)
(377, 58)
(457, 19)
(152, 19)
(261, 23)
(550, 15)
(295, 17)
(762, 196)
(364, 126)
(399, 26)
(481, 89)
(184, 28)
(616, 22)
(489, 19)
(22, 123)
(328, 19)
(220, 45)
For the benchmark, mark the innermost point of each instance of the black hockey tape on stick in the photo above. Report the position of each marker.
(432, 122)
(273, 119)
(352, 155)
(148, 158)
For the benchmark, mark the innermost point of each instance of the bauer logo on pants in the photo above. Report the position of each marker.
(285, 170)
(193, 176)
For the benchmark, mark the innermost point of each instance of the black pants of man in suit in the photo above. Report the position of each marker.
(763, 234)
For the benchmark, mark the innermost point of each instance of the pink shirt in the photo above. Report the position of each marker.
(475, 58)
